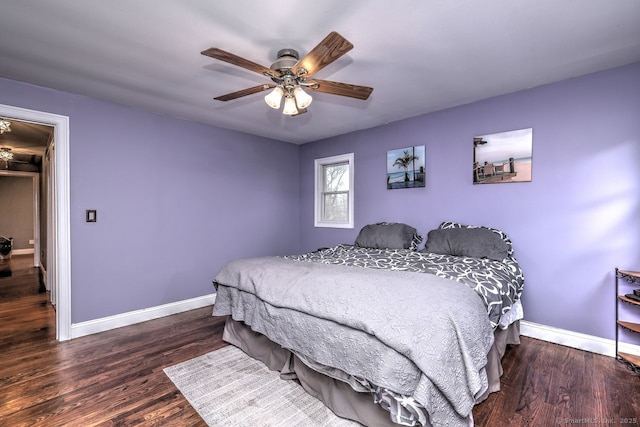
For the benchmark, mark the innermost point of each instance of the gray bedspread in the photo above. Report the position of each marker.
(498, 283)
(416, 334)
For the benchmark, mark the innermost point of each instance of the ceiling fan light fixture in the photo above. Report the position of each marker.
(303, 99)
(290, 108)
(274, 99)
(5, 126)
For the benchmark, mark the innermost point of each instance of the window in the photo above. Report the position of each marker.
(334, 191)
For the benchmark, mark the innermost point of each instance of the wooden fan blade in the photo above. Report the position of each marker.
(244, 92)
(239, 61)
(342, 89)
(328, 50)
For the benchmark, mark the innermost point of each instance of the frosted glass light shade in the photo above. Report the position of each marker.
(274, 98)
(5, 126)
(289, 106)
(303, 99)
(6, 154)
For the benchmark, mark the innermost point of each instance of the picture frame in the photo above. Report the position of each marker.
(406, 167)
(503, 157)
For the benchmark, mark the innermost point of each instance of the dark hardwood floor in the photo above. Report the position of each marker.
(115, 378)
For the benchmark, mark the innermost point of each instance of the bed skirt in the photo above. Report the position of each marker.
(337, 395)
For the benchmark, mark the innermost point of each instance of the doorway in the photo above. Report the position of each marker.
(58, 229)
(27, 201)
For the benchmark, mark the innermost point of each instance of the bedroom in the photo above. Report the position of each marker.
(173, 209)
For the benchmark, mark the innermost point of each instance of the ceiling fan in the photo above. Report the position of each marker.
(292, 75)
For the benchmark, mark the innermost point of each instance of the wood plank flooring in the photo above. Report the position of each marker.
(115, 378)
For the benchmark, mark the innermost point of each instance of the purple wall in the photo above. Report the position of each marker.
(175, 201)
(571, 226)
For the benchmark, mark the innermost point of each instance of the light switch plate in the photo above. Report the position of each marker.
(92, 215)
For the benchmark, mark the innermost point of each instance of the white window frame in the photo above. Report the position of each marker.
(319, 187)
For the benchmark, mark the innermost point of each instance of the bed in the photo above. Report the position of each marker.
(383, 333)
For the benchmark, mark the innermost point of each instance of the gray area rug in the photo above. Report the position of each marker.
(228, 388)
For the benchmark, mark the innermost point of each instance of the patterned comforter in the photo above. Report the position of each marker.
(377, 326)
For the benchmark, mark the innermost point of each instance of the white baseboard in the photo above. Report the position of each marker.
(28, 251)
(529, 329)
(125, 319)
(575, 339)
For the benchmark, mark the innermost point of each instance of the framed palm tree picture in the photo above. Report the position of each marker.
(406, 167)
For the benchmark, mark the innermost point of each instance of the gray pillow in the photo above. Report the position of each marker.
(386, 235)
(502, 234)
(470, 242)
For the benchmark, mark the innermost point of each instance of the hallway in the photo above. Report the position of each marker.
(23, 300)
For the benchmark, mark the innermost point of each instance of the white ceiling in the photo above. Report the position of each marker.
(418, 55)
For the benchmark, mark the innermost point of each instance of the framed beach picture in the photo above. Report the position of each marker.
(503, 157)
(405, 167)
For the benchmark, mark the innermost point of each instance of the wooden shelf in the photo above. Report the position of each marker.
(630, 273)
(632, 279)
(635, 327)
(629, 300)
(631, 358)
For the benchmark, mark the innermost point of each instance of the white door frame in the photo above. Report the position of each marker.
(62, 229)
